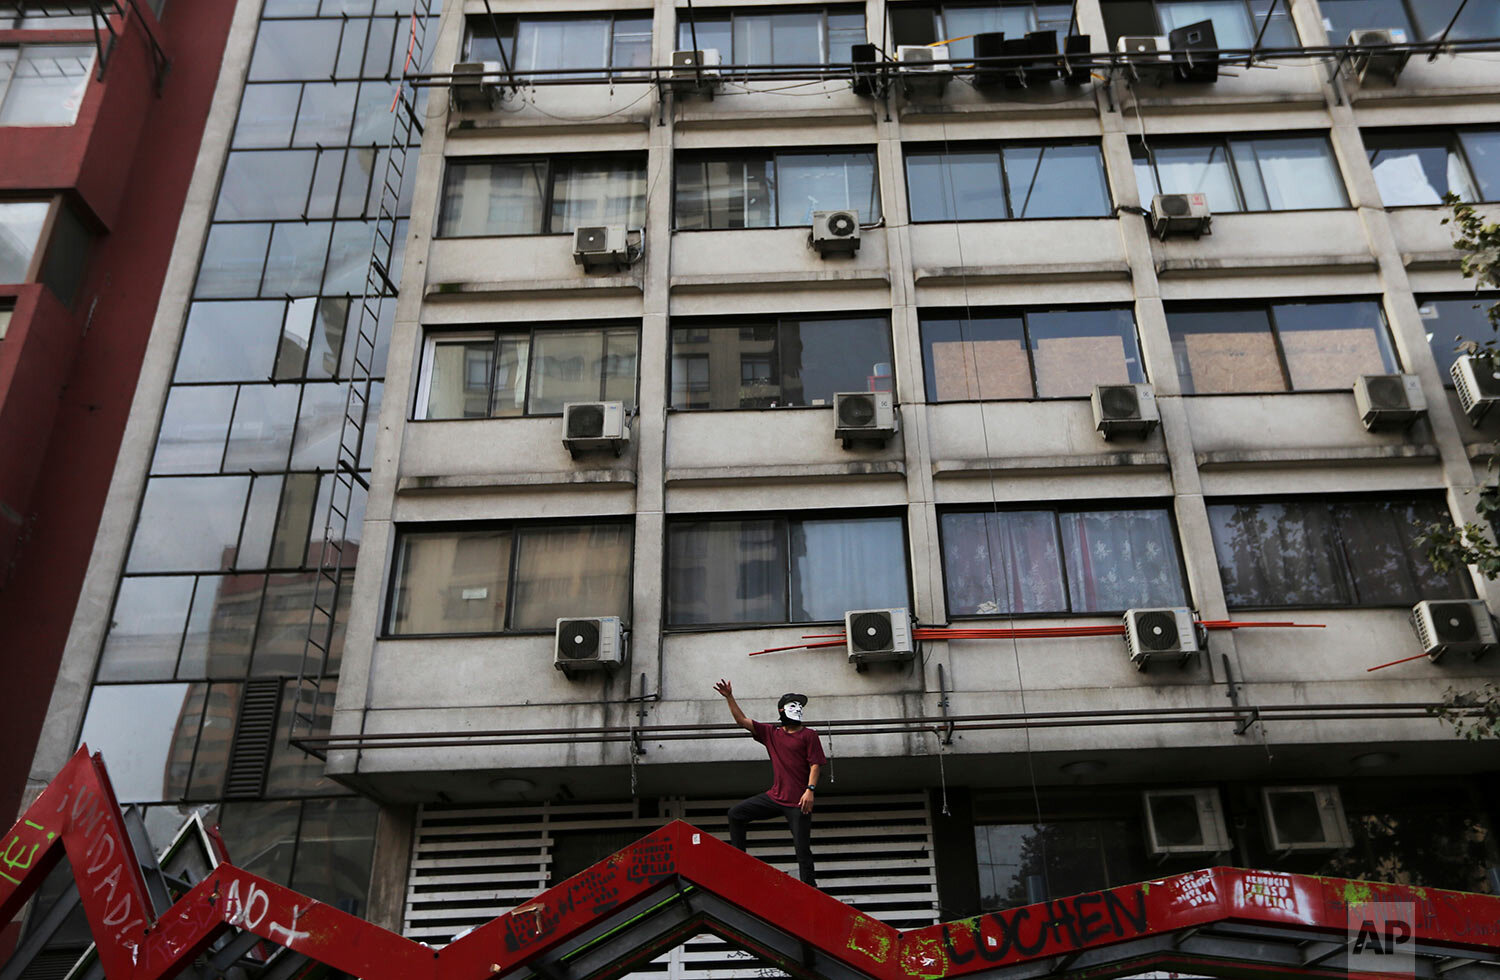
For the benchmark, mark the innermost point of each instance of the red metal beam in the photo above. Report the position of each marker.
(78, 813)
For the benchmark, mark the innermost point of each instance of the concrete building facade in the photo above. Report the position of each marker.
(1006, 266)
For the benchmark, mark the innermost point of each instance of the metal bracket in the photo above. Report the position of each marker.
(947, 737)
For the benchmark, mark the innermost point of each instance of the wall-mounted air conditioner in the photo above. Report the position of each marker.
(475, 85)
(1147, 57)
(1160, 634)
(595, 425)
(1304, 818)
(590, 643)
(694, 71)
(601, 246)
(875, 635)
(1477, 380)
(1389, 401)
(864, 415)
(1128, 410)
(834, 232)
(1184, 821)
(1374, 59)
(918, 73)
(1186, 214)
(1454, 626)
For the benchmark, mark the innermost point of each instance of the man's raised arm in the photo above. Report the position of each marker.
(724, 688)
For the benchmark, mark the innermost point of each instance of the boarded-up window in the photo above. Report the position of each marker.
(1042, 354)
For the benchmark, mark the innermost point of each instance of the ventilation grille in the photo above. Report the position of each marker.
(1119, 402)
(591, 239)
(1387, 392)
(586, 422)
(871, 631)
(1454, 622)
(472, 864)
(1157, 631)
(578, 639)
(856, 412)
(254, 738)
(842, 224)
(1176, 205)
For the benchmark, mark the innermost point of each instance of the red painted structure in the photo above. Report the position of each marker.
(78, 813)
(67, 374)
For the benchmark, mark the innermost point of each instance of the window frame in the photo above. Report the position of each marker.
(943, 149)
(730, 13)
(1481, 299)
(1411, 26)
(549, 192)
(1414, 137)
(787, 517)
(771, 155)
(1250, 16)
(496, 333)
(513, 528)
(962, 313)
(20, 48)
(774, 320)
(1329, 500)
(1143, 150)
(939, 8)
(1267, 305)
(513, 21)
(1105, 505)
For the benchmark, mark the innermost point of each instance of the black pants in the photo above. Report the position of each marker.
(762, 807)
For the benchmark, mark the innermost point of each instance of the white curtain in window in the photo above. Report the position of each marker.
(1288, 174)
(598, 192)
(543, 44)
(839, 565)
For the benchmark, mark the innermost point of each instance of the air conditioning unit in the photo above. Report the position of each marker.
(1304, 818)
(475, 85)
(1166, 634)
(874, 635)
(596, 643)
(1386, 64)
(595, 425)
(1477, 379)
(1147, 56)
(695, 70)
(1184, 821)
(864, 415)
(1456, 625)
(918, 73)
(601, 245)
(834, 232)
(1195, 52)
(1185, 213)
(1124, 410)
(1389, 401)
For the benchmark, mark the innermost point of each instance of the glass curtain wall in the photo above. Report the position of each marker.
(218, 585)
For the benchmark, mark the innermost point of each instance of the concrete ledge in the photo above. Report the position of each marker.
(1481, 451)
(786, 473)
(1259, 265)
(1446, 259)
(515, 122)
(952, 275)
(1403, 94)
(1330, 456)
(472, 483)
(1216, 100)
(1056, 464)
(1083, 105)
(812, 277)
(763, 118)
(621, 285)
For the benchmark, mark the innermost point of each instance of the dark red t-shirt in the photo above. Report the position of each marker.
(793, 754)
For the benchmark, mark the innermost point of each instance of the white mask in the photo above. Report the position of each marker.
(793, 712)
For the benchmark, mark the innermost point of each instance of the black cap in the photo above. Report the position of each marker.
(790, 697)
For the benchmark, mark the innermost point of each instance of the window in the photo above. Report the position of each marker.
(774, 189)
(48, 15)
(1267, 173)
(21, 224)
(1027, 354)
(521, 578)
(1450, 320)
(506, 373)
(1421, 19)
(1417, 166)
(5, 315)
(1237, 23)
(765, 569)
(1059, 560)
(957, 23)
(542, 196)
(43, 84)
(1023, 180)
(1329, 552)
(537, 44)
(1287, 346)
(770, 362)
(763, 37)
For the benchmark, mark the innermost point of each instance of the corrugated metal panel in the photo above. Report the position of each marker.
(254, 736)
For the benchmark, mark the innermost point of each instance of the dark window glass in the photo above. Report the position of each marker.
(472, 582)
(957, 23)
(1415, 167)
(1049, 561)
(1267, 173)
(221, 626)
(532, 373)
(261, 434)
(1041, 353)
(1237, 23)
(784, 361)
(761, 36)
(1062, 180)
(1423, 19)
(1482, 150)
(535, 44)
(335, 852)
(773, 189)
(145, 631)
(1328, 553)
(1451, 320)
(533, 197)
(778, 570)
(1278, 346)
(1022, 863)
(67, 255)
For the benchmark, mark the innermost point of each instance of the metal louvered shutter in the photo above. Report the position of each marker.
(254, 736)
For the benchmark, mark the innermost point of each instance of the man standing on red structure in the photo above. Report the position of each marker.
(796, 759)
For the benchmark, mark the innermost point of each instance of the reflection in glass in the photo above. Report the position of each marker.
(725, 193)
(194, 426)
(267, 115)
(294, 266)
(1023, 863)
(1413, 168)
(451, 582)
(221, 626)
(1451, 321)
(262, 430)
(260, 515)
(261, 184)
(291, 49)
(1055, 181)
(563, 570)
(221, 709)
(334, 852)
(325, 114)
(459, 378)
(147, 732)
(726, 571)
(809, 182)
(232, 261)
(319, 424)
(293, 772)
(493, 198)
(943, 186)
(188, 524)
(261, 837)
(790, 361)
(145, 630)
(281, 636)
(576, 365)
(294, 521)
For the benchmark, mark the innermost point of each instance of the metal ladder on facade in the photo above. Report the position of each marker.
(333, 560)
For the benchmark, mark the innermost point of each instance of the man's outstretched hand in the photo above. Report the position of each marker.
(724, 688)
